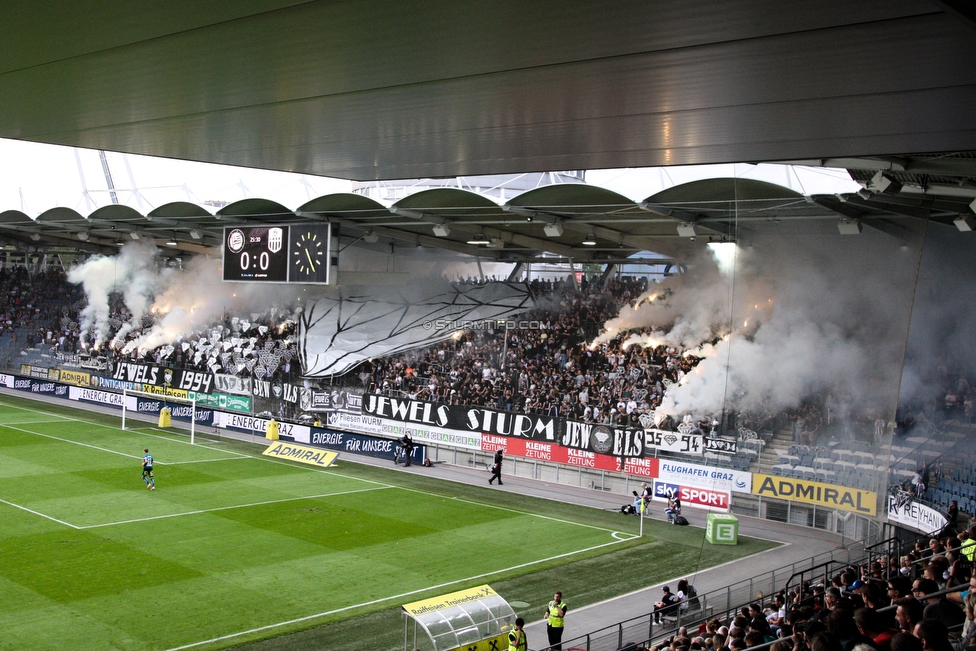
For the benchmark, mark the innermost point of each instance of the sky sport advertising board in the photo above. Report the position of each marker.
(705, 498)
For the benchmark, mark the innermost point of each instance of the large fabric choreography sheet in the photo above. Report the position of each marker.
(356, 324)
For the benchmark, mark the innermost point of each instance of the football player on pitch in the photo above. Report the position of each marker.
(147, 470)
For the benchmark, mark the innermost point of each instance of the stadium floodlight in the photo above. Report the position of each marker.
(134, 235)
(83, 236)
(442, 230)
(885, 184)
(965, 223)
(849, 227)
(371, 237)
(553, 230)
(590, 239)
(195, 234)
(35, 236)
(496, 243)
(186, 409)
(686, 230)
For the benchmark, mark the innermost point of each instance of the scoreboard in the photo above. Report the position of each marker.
(296, 253)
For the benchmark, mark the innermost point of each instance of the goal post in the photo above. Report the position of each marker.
(186, 407)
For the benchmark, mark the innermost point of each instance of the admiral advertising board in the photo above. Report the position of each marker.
(692, 496)
(812, 492)
(913, 515)
(78, 378)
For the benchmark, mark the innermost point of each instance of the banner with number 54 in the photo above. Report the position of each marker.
(673, 442)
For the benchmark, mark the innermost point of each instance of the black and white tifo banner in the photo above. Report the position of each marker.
(349, 326)
(461, 418)
(674, 441)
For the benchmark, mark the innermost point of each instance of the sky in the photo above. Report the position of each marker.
(37, 177)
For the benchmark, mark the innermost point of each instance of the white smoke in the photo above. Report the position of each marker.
(132, 272)
(184, 301)
(195, 298)
(796, 317)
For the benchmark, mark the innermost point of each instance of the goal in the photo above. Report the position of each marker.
(184, 409)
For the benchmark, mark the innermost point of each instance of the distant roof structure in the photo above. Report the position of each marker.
(560, 222)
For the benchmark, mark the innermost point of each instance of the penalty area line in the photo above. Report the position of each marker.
(402, 595)
(38, 513)
(224, 508)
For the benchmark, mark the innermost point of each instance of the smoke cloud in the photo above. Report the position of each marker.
(803, 312)
(184, 301)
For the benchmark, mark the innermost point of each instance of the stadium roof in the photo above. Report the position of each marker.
(392, 90)
(387, 90)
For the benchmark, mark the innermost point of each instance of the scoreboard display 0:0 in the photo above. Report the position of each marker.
(256, 253)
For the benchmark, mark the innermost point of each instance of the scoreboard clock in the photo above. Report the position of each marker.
(296, 253)
(310, 256)
(256, 253)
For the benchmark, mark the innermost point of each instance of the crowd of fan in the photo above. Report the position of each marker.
(547, 370)
(24, 299)
(264, 345)
(883, 606)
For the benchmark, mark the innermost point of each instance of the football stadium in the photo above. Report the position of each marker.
(616, 327)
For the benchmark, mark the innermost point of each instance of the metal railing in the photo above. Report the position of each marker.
(715, 603)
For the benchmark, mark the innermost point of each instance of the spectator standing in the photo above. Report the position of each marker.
(555, 621)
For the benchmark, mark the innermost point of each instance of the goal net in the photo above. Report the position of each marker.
(151, 404)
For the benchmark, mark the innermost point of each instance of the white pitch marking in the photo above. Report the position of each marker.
(227, 508)
(180, 463)
(87, 445)
(390, 598)
(24, 508)
(32, 422)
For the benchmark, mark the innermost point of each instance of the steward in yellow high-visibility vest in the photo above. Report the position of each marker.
(516, 637)
(555, 614)
(968, 548)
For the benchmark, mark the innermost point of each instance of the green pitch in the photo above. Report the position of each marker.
(231, 546)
